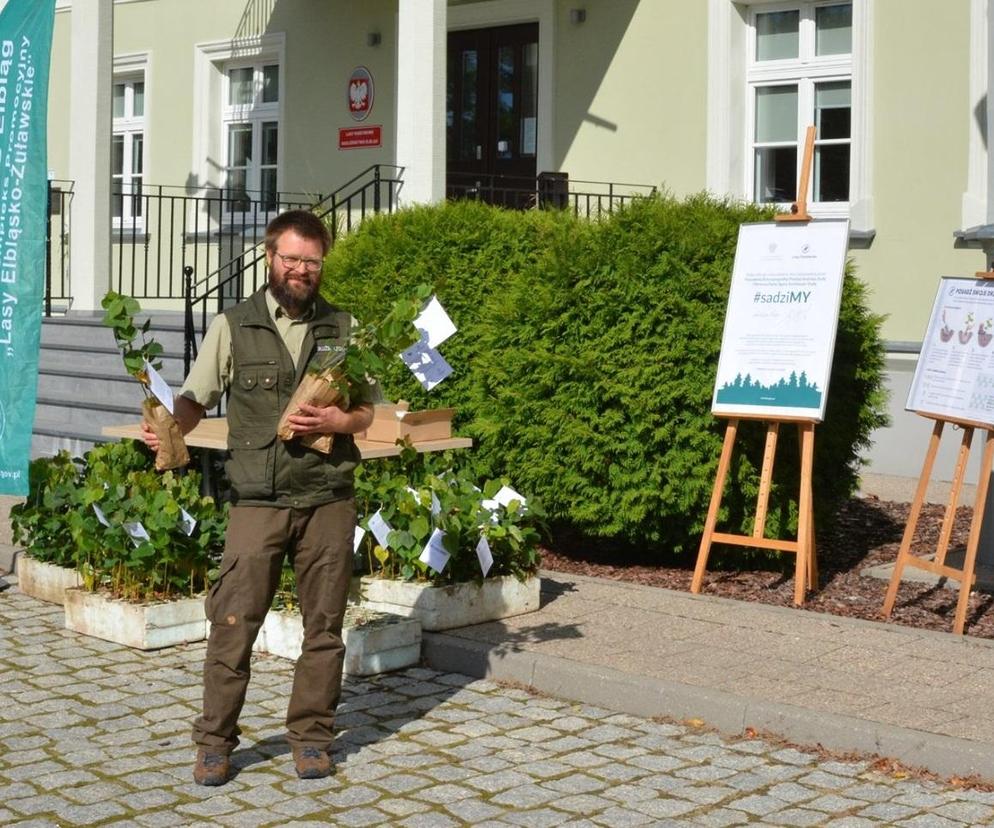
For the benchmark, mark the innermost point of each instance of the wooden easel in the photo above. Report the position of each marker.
(937, 565)
(806, 566)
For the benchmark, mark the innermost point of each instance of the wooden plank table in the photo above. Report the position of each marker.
(212, 433)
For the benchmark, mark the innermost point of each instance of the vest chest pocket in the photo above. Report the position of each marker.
(264, 377)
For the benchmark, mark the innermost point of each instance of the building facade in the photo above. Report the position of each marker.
(227, 110)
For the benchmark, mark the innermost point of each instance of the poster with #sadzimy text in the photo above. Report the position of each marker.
(783, 311)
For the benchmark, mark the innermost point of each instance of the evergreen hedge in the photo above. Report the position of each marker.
(586, 357)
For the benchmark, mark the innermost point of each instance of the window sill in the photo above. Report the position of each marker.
(977, 238)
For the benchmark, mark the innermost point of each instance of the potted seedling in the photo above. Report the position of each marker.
(141, 356)
(333, 377)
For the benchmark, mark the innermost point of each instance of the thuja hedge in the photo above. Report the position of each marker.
(586, 357)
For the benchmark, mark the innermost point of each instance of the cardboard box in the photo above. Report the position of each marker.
(395, 422)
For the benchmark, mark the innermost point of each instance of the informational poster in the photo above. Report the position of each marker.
(954, 378)
(783, 310)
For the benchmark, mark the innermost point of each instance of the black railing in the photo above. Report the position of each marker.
(57, 228)
(589, 199)
(374, 190)
(158, 231)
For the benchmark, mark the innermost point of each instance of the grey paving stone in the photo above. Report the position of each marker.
(795, 816)
(886, 811)
(622, 818)
(429, 820)
(538, 818)
(474, 810)
(758, 805)
(972, 813)
(525, 796)
(664, 807)
(359, 817)
(147, 799)
(576, 783)
(400, 807)
(582, 804)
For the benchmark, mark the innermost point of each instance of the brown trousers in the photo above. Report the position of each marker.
(318, 542)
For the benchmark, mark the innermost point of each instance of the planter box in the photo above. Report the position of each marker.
(45, 581)
(457, 605)
(395, 422)
(142, 626)
(375, 642)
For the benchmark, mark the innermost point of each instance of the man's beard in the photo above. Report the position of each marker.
(293, 303)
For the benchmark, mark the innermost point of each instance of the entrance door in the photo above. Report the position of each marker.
(492, 113)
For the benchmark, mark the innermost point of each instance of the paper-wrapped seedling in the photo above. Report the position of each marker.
(141, 361)
(337, 376)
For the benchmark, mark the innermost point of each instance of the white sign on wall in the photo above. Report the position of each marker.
(783, 310)
(954, 377)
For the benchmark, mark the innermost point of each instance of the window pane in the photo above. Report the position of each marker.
(270, 84)
(529, 99)
(268, 181)
(138, 106)
(777, 35)
(270, 134)
(468, 106)
(505, 102)
(833, 30)
(136, 197)
(776, 174)
(833, 110)
(117, 104)
(116, 198)
(776, 113)
(137, 143)
(238, 201)
(831, 173)
(239, 145)
(117, 155)
(240, 86)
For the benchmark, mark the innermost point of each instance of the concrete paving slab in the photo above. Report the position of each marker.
(847, 684)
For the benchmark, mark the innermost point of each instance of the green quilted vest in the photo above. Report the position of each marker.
(262, 469)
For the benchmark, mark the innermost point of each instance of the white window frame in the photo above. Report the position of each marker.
(731, 111)
(211, 62)
(254, 114)
(804, 73)
(128, 70)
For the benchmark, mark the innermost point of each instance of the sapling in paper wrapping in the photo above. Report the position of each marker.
(119, 316)
(336, 377)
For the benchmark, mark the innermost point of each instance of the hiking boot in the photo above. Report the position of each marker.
(211, 768)
(312, 762)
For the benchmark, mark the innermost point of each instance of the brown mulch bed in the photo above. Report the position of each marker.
(867, 533)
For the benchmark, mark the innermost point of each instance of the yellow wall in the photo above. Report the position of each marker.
(631, 89)
(920, 145)
(324, 41)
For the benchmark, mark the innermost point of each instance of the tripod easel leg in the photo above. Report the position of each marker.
(804, 524)
(916, 508)
(969, 563)
(712, 518)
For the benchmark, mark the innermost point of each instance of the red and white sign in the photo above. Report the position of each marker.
(358, 137)
(360, 93)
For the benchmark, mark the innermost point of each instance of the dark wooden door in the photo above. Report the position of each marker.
(492, 111)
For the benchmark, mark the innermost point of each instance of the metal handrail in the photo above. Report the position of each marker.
(225, 282)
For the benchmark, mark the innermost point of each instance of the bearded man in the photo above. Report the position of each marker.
(287, 500)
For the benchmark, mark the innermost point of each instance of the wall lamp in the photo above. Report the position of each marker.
(577, 16)
(373, 38)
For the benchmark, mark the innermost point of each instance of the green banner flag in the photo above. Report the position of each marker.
(25, 50)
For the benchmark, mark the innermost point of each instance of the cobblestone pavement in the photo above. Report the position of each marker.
(94, 733)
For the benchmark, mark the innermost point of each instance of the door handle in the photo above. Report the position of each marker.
(479, 152)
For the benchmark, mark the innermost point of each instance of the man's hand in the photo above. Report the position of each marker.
(331, 419)
(187, 414)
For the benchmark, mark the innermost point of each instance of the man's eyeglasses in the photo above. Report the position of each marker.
(293, 262)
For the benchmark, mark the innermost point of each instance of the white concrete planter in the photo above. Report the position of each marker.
(375, 642)
(45, 581)
(142, 626)
(457, 605)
